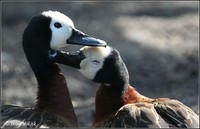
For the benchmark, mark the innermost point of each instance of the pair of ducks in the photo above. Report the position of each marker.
(118, 104)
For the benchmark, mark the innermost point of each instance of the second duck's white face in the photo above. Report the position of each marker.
(61, 27)
(94, 60)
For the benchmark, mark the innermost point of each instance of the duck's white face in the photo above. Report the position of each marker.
(94, 60)
(61, 27)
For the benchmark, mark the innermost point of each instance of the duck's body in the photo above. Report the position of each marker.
(53, 102)
(53, 108)
(118, 104)
(18, 117)
(135, 110)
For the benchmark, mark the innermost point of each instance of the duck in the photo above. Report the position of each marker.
(117, 102)
(48, 30)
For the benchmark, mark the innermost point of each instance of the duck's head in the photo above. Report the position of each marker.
(99, 64)
(54, 29)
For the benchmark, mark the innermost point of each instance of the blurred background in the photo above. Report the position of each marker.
(158, 41)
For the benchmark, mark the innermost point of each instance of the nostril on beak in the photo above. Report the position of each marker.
(52, 53)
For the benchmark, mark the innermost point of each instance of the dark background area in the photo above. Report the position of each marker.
(158, 41)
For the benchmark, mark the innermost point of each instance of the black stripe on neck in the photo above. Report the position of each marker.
(113, 72)
(36, 43)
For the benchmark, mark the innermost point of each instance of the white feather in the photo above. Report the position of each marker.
(94, 60)
(59, 35)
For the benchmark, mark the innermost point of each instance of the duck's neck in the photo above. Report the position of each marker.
(53, 94)
(110, 98)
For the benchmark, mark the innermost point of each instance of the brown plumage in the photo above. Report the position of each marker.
(117, 103)
(135, 110)
(53, 107)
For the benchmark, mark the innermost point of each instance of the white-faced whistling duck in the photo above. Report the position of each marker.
(118, 104)
(46, 31)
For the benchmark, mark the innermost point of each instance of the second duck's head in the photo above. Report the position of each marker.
(99, 64)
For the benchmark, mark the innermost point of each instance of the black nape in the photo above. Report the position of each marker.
(35, 42)
(114, 71)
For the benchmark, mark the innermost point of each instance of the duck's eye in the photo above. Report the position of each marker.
(96, 62)
(57, 25)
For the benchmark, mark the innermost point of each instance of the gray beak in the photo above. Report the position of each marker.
(79, 38)
(72, 59)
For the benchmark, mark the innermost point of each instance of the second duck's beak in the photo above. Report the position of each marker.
(79, 38)
(72, 59)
